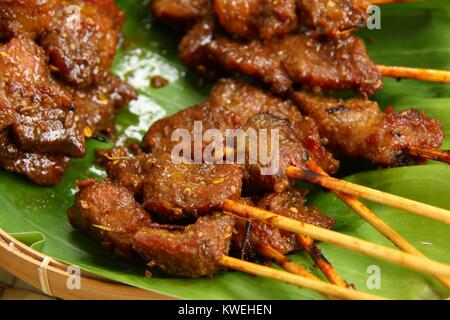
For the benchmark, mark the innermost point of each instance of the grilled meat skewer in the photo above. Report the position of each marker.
(154, 241)
(358, 128)
(331, 64)
(229, 106)
(265, 19)
(193, 251)
(111, 215)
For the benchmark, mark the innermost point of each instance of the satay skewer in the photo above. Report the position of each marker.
(283, 276)
(298, 276)
(421, 264)
(374, 195)
(378, 223)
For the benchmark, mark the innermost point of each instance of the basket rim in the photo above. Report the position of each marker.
(24, 263)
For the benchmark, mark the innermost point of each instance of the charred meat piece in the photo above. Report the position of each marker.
(277, 149)
(98, 104)
(26, 18)
(236, 102)
(110, 214)
(230, 104)
(194, 251)
(182, 191)
(6, 111)
(252, 59)
(41, 168)
(45, 119)
(256, 18)
(129, 171)
(291, 204)
(81, 43)
(108, 8)
(333, 17)
(358, 128)
(158, 137)
(331, 64)
(181, 11)
(192, 48)
(49, 130)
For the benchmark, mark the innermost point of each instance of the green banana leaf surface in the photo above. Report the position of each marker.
(412, 34)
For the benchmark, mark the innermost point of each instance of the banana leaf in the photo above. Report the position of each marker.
(412, 34)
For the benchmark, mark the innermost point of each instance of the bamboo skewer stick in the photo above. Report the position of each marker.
(285, 263)
(377, 196)
(322, 263)
(432, 75)
(378, 223)
(421, 264)
(283, 276)
(430, 153)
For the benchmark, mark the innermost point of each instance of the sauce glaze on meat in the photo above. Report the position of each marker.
(55, 81)
(357, 128)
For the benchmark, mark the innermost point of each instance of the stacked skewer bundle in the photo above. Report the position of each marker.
(268, 45)
(192, 219)
(189, 233)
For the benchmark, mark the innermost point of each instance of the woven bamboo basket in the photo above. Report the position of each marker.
(50, 275)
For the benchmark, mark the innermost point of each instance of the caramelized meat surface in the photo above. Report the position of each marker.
(236, 102)
(128, 171)
(333, 17)
(291, 204)
(41, 168)
(49, 130)
(331, 64)
(81, 43)
(265, 19)
(44, 115)
(192, 48)
(192, 251)
(252, 59)
(44, 118)
(97, 105)
(358, 128)
(230, 104)
(181, 10)
(281, 149)
(182, 191)
(158, 137)
(110, 214)
(108, 8)
(256, 18)
(26, 18)
(6, 111)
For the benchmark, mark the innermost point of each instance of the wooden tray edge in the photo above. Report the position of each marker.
(23, 262)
